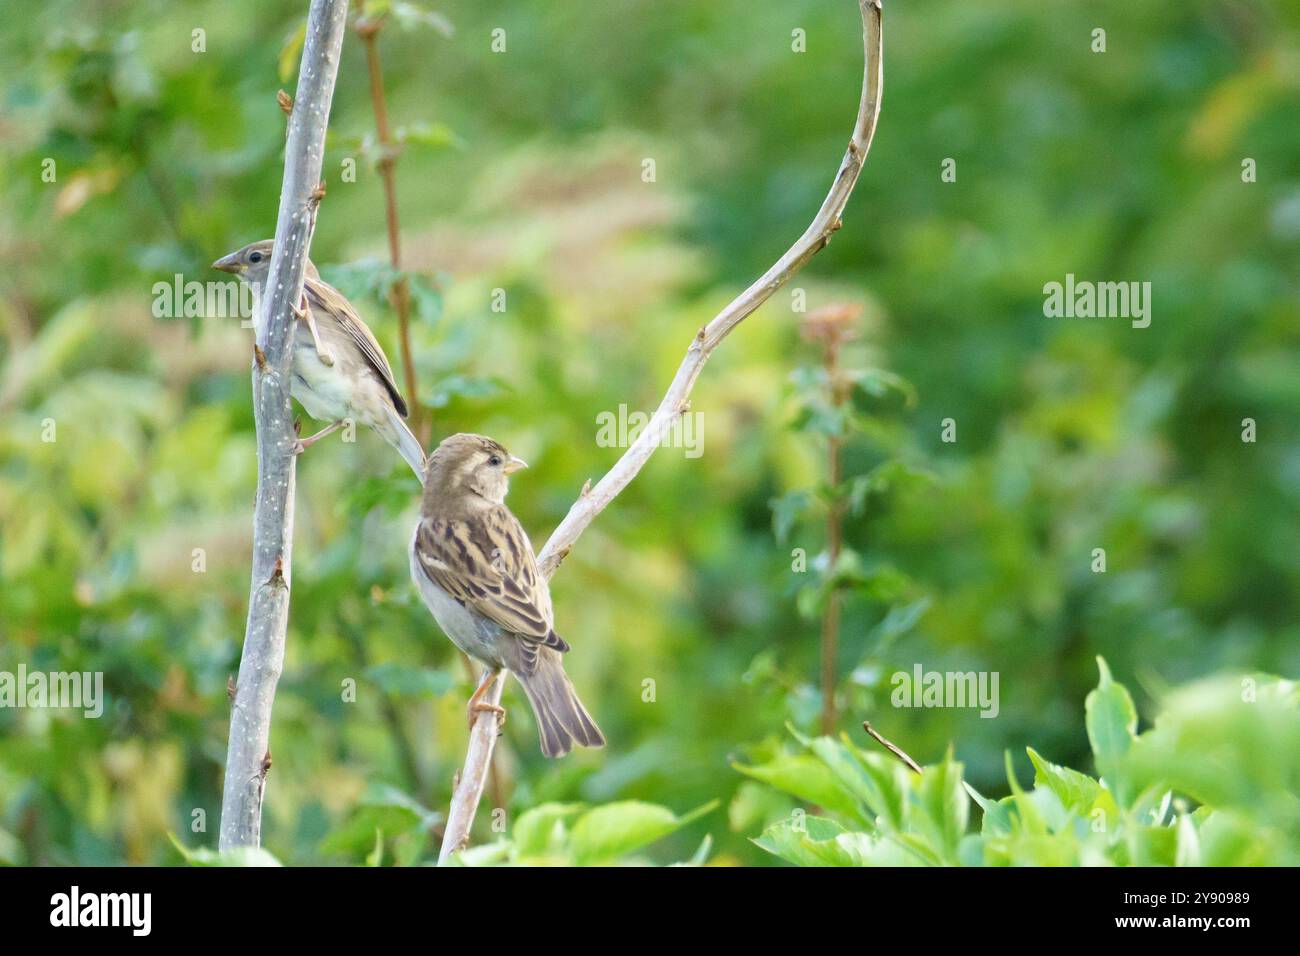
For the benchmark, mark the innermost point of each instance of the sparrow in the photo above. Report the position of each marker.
(339, 370)
(474, 567)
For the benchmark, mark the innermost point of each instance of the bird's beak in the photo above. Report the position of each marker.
(229, 263)
(514, 464)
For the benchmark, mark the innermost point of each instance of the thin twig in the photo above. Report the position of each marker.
(465, 798)
(368, 29)
(248, 754)
(888, 745)
(971, 792)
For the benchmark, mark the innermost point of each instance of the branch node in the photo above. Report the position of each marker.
(259, 357)
(317, 194)
(285, 101)
(231, 688)
(266, 764)
(276, 579)
(586, 489)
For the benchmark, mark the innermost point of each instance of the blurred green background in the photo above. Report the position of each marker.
(523, 172)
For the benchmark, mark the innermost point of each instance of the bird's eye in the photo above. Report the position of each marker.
(255, 257)
(494, 461)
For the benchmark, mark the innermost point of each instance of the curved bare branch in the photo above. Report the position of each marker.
(675, 403)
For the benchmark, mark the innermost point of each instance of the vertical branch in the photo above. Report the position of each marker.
(592, 501)
(831, 327)
(368, 29)
(248, 757)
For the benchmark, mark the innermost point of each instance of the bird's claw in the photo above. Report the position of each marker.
(475, 709)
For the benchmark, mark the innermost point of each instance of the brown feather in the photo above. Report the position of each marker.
(328, 303)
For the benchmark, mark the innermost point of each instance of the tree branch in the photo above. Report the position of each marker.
(478, 759)
(248, 756)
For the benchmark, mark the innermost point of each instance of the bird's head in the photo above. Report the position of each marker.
(251, 263)
(467, 467)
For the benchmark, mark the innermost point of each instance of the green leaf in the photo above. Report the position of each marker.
(886, 477)
(401, 819)
(876, 389)
(486, 854)
(945, 806)
(1188, 850)
(436, 135)
(807, 778)
(426, 297)
(239, 856)
(462, 386)
(540, 831)
(900, 619)
(1077, 791)
(410, 16)
(786, 511)
(1111, 720)
(405, 681)
(290, 52)
(816, 841)
(392, 494)
(615, 830)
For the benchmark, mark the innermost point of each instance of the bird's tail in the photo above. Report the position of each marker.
(562, 721)
(407, 445)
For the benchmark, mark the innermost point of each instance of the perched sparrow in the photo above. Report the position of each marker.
(339, 370)
(474, 567)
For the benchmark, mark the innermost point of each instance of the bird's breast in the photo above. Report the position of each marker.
(471, 632)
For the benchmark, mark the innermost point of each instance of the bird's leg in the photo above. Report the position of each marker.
(476, 703)
(302, 444)
(303, 312)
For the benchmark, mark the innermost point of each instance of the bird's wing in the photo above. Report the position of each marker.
(326, 300)
(486, 562)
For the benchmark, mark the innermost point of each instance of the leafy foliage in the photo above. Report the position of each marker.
(1192, 791)
(556, 834)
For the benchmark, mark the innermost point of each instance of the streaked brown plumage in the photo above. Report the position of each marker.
(474, 567)
(340, 371)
